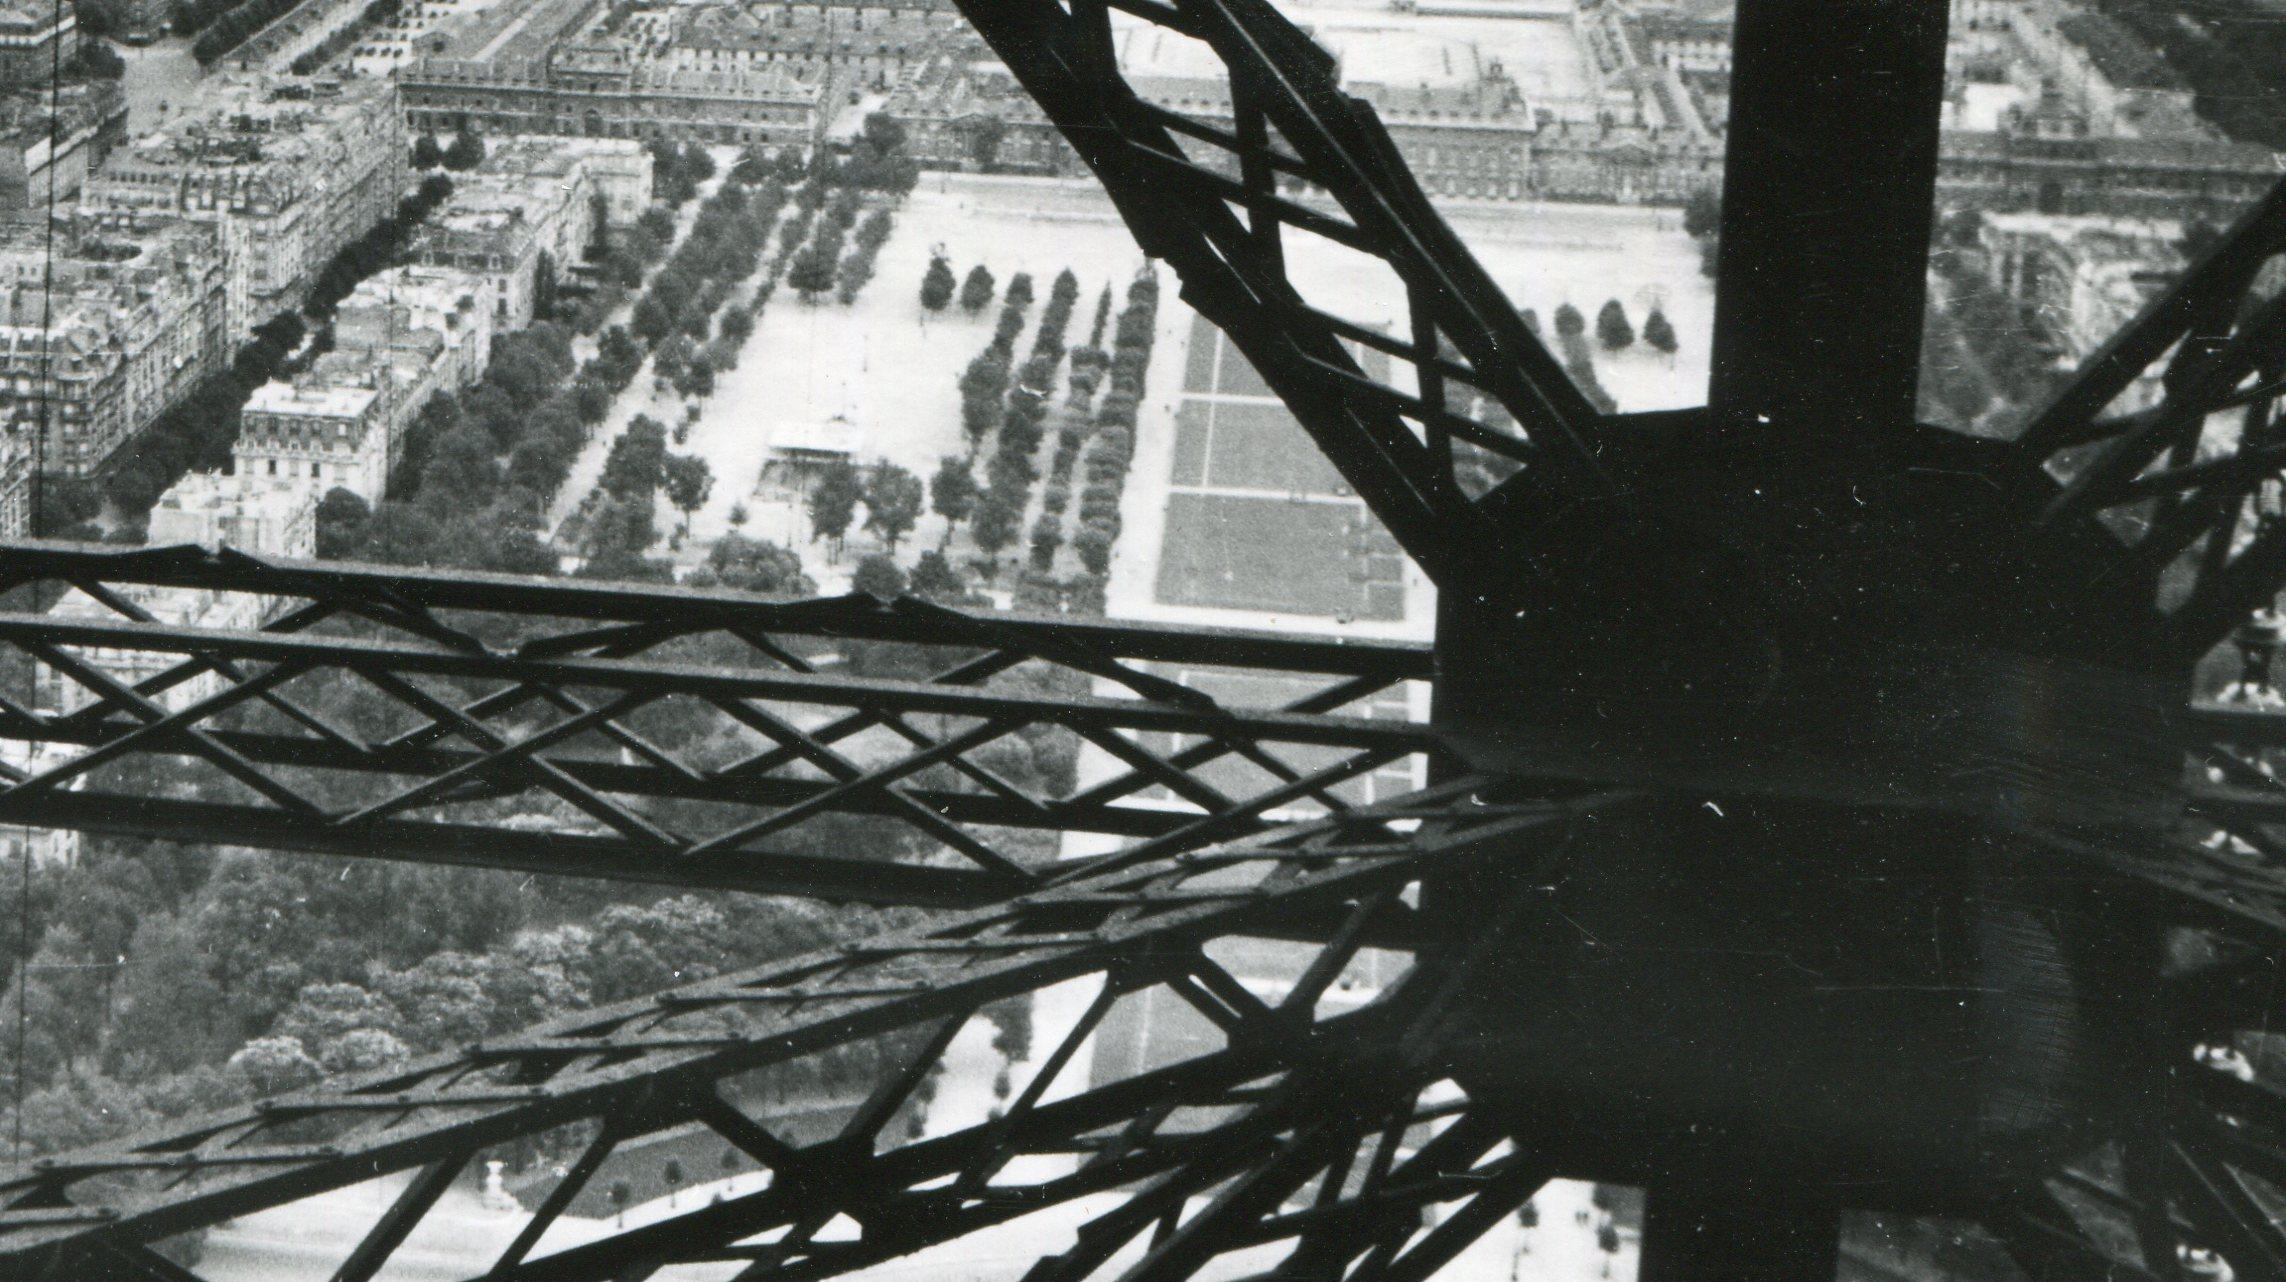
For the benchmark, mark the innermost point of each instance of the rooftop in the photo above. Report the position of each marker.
(32, 15)
(2118, 53)
(221, 493)
(441, 289)
(1405, 72)
(1404, 58)
(501, 29)
(258, 514)
(734, 26)
(2139, 249)
(525, 157)
(312, 399)
(1150, 51)
(2213, 154)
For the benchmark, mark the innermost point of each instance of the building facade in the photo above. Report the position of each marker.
(528, 214)
(51, 140)
(399, 339)
(1471, 137)
(325, 429)
(2079, 279)
(861, 46)
(601, 92)
(288, 170)
(15, 482)
(35, 39)
(212, 510)
(106, 333)
(616, 169)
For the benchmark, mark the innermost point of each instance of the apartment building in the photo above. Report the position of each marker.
(288, 169)
(101, 337)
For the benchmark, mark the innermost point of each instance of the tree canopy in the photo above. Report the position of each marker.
(893, 498)
(1702, 212)
(688, 483)
(879, 576)
(834, 499)
(937, 284)
(1611, 326)
(753, 565)
(952, 491)
(811, 273)
(465, 153)
(1659, 332)
(976, 290)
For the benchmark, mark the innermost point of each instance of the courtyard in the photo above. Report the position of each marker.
(889, 368)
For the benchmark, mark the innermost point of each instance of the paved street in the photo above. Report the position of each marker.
(158, 82)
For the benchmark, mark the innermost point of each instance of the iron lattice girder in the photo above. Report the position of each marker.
(554, 717)
(658, 1061)
(1206, 198)
(606, 638)
(351, 588)
(2189, 483)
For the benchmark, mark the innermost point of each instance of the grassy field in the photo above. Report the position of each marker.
(1291, 556)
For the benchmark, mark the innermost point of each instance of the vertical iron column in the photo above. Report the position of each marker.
(1703, 1232)
(1829, 176)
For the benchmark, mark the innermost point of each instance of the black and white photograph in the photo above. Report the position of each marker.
(1142, 640)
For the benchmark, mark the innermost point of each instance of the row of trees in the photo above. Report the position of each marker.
(1616, 333)
(724, 247)
(1613, 330)
(937, 286)
(1113, 450)
(453, 501)
(984, 382)
(233, 26)
(378, 248)
(616, 525)
(1573, 351)
(198, 431)
(1088, 364)
(1023, 429)
(857, 267)
(677, 172)
(985, 404)
(891, 495)
(811, 272)
(1702, 222)
(463, 153)
(622, 520)
(374, 14)
(995, 511)
(1579, 359)
(734, 254)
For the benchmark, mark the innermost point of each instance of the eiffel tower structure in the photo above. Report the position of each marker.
(1816, 817)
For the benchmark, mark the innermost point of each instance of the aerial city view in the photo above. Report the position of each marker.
(811, 299)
